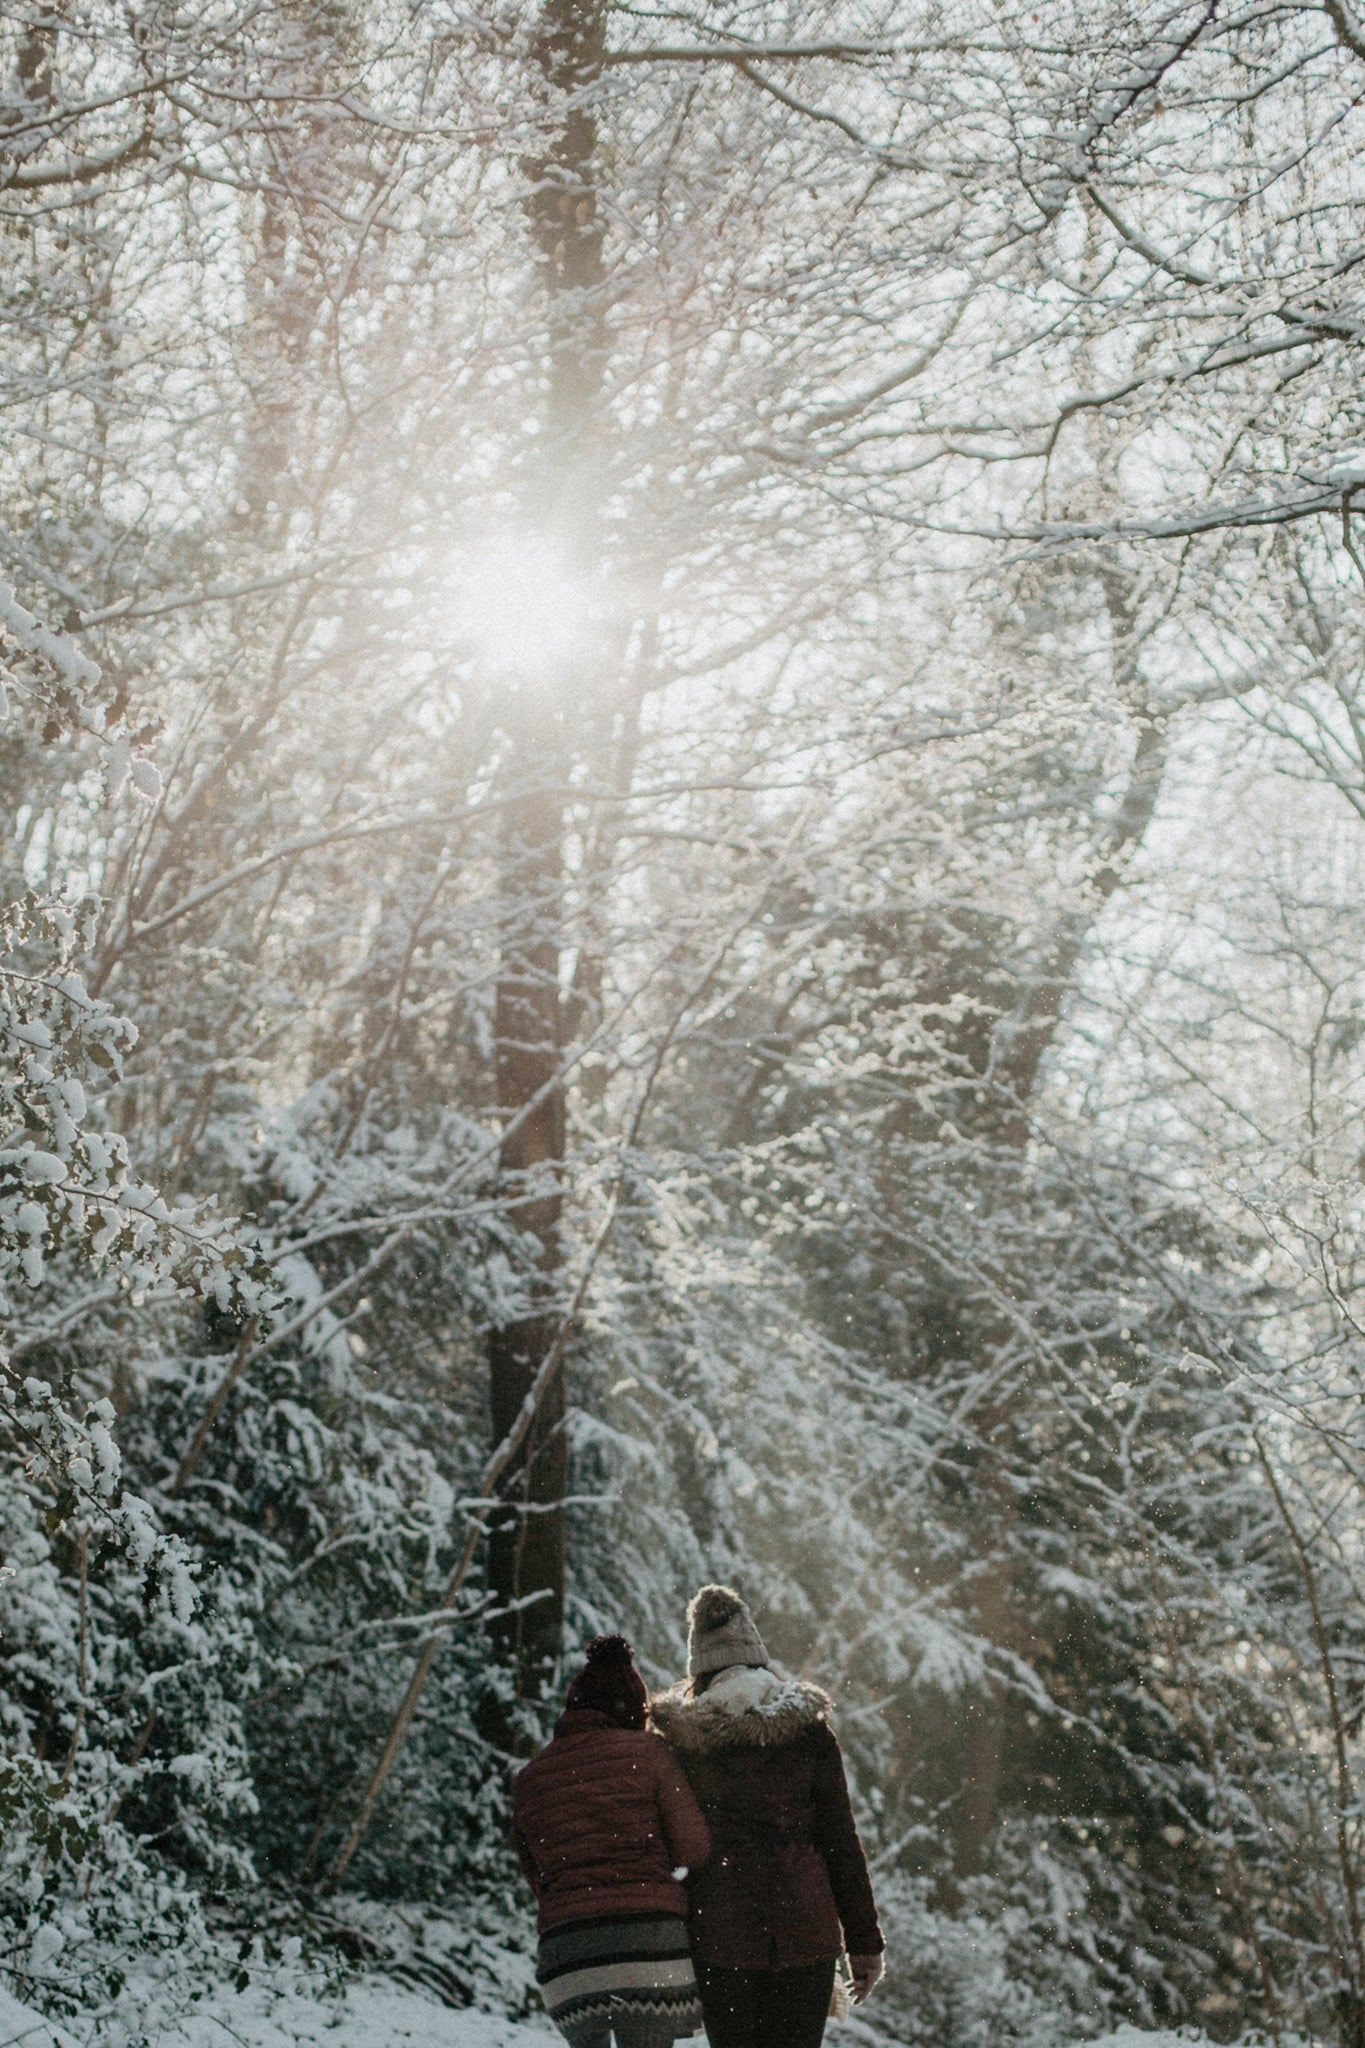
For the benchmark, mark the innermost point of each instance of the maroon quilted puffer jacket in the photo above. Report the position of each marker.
(787, 1882)
(602, 1818)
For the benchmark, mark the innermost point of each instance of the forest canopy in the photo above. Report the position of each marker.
(682, 798)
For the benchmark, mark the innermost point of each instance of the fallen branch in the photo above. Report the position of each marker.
(493, 1473)
(496, 1468)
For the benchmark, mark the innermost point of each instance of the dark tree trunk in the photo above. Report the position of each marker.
(526, 1542)
(526, 1549)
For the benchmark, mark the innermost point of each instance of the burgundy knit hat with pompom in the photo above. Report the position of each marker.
(610, 1684)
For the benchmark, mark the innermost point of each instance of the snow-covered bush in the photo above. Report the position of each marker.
(112, 1648)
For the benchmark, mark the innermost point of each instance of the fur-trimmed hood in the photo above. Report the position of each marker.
(747, 1707)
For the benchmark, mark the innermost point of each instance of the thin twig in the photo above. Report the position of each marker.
(212, 1412)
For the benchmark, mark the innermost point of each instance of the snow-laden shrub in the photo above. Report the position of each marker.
(121, 1667)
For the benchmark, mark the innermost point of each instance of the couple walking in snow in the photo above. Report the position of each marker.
(706, 1869)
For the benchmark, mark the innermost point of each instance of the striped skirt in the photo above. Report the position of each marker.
(632, 1974)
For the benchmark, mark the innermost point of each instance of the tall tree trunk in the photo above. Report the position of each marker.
(526, 1548)
(1022, 1043)
(526, 1538)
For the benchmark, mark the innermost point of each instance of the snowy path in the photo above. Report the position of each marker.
(368, 2014)
(373, 2014)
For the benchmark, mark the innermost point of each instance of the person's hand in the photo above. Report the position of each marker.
(868, 1972)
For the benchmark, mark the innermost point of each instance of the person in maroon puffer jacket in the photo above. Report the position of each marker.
(787, 1888)
(607, 1829)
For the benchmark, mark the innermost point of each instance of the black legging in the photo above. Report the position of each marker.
(631, 2030)
(766, 2008)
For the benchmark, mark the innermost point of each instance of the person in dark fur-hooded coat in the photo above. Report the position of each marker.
(787, 1887)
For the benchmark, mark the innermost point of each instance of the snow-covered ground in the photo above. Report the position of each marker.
(367, 2013)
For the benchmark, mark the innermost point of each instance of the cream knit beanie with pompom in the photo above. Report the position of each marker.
(721, 1632)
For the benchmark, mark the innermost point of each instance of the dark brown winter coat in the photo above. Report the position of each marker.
(602, 1818)
(787, 1882)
